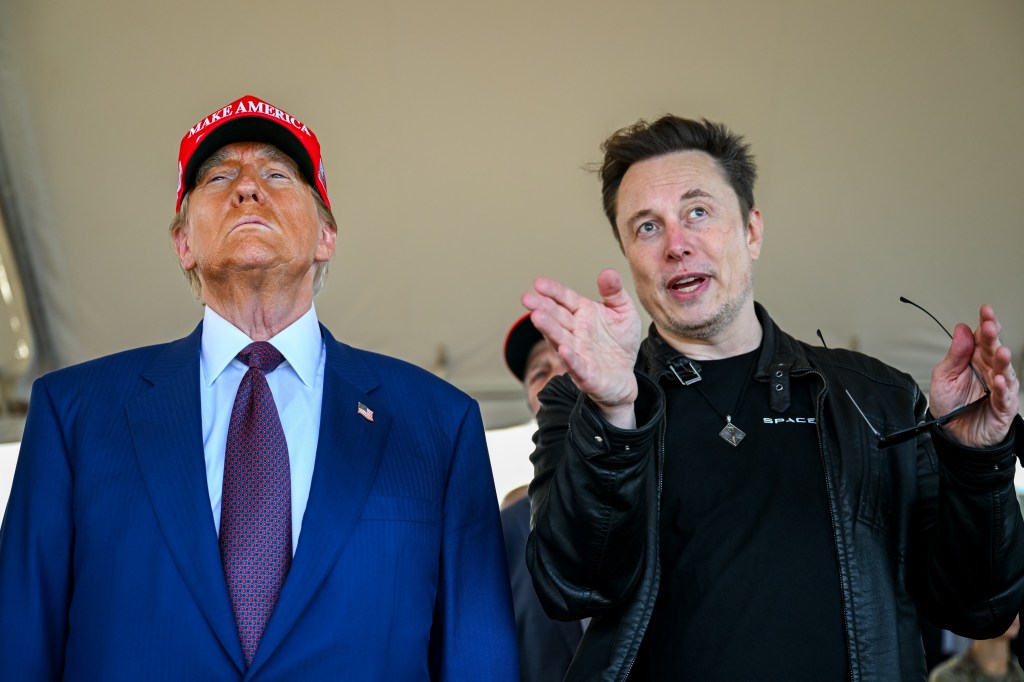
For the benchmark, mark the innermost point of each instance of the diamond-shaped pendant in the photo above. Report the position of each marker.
(732, 434)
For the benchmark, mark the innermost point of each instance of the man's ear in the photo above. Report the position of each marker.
(328, 240)
(180, 238)
(755, 234)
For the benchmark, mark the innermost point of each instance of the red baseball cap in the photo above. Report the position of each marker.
(250, 119)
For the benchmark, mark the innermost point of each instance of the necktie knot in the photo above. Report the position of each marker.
(262, 356)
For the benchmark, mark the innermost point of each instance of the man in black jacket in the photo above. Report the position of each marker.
(729, 503)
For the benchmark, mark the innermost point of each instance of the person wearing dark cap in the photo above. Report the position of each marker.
(546, 646)
(257, 500)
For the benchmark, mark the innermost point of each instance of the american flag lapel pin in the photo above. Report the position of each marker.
(365, 412)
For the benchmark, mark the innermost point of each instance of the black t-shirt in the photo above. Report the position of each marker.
(749, 584)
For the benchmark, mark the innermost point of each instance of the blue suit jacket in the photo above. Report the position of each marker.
(109, 563)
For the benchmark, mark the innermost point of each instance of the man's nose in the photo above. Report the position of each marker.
(247, 188)
(677, 242)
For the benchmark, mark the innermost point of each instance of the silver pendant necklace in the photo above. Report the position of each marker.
(688, 374)
(731, 434)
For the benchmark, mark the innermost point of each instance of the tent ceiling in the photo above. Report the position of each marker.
(455, 136)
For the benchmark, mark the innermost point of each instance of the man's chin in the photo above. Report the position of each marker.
(697, 324)
(690, 328)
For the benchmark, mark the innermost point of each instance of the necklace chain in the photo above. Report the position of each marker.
(688, 374)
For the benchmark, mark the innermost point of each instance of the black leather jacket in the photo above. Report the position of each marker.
(923, 527)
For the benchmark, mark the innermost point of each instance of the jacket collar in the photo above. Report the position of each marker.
(779, 357)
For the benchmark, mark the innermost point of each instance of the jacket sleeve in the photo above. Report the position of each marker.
(36, 544)
(969, 560)
(473, 636)
(594, 490)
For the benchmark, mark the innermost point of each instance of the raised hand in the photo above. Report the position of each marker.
(954, 385)
(597, 340)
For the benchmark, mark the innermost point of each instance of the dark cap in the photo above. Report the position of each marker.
(521, 339)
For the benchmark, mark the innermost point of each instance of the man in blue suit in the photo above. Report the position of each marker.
(256, 501)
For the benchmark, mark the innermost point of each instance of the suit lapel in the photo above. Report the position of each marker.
(348, 453)
(166, 428)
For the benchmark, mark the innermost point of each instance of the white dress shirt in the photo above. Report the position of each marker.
(298, 388)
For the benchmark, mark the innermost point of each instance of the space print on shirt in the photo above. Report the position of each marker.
(778, 421)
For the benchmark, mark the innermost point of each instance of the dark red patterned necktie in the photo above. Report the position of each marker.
(256, 506)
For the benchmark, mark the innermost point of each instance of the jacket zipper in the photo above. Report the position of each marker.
(819, 410)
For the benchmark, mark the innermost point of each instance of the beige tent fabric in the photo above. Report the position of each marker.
(455, 134)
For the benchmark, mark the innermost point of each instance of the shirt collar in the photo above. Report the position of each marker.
(300, 344)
